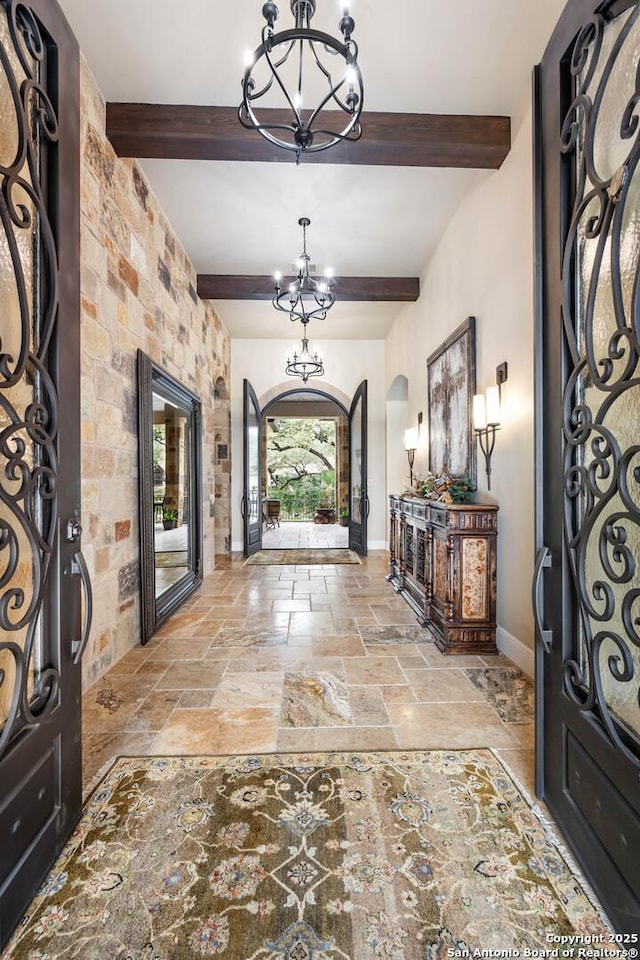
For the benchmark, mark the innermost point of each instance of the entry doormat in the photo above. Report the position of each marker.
(313, 555)
(318, 856)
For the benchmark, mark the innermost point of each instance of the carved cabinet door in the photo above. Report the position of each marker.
(587, 586)
(41, 567)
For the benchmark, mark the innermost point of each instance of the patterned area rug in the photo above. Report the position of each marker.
(299, 556)
(407, 856)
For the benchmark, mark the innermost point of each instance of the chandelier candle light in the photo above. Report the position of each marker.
(290, 299)
(305, 365)
(293, 71)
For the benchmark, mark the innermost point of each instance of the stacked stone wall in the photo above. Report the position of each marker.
(138, 292)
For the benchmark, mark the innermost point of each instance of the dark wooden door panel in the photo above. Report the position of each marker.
(252, 487)
(41, 636)
(358, 486)
(587, 588)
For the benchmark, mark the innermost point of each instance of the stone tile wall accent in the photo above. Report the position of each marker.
(138, 292)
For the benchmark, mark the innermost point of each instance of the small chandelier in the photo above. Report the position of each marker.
(291, 298)
(289, 57)
(305, 365)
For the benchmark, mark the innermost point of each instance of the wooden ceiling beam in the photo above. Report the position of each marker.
(178, 132)
(244, 287)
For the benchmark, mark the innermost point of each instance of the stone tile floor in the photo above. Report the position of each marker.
(284, 658)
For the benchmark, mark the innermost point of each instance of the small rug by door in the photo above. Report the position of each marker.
(404, 856)
(313, 555)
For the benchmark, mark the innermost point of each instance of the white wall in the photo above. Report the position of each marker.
(397, 422)
(483, 267)
(347, 363)
(397, 462)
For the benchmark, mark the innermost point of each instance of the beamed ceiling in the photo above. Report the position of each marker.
(442, 82)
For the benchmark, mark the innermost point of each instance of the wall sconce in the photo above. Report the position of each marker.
(411, 440)
(486, 417)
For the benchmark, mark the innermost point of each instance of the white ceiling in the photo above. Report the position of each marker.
(468, 57)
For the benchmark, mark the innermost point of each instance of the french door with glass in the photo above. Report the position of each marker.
(252, 484)
(587, 586)
(43, 628)
(359, 497)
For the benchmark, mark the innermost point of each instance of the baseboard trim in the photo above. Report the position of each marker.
(516, 650)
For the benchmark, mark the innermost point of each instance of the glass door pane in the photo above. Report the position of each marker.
(252, 494)
(602, 405)
(27, 456)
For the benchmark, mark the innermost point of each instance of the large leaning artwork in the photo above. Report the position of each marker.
(451, 377)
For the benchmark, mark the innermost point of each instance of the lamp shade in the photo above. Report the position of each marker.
(479, 412)
(492, 398)
(411, 438)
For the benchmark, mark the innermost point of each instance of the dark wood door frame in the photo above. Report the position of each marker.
(40, 754)
(251, 505)
(587, 764)
(358, 525)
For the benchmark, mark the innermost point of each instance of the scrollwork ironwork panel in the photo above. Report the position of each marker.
(28, 397)
(409, 549)
(420, 557)
(601, 313)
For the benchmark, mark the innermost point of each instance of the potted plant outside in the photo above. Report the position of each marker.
(344, 516)
(170, 519)
(325, 512)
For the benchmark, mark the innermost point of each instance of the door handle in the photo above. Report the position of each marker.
(543, 562)
(243, 507)
(79, 569)
(74, 530)
(367, 506)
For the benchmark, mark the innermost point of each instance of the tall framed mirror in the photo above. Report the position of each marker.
(170, 452)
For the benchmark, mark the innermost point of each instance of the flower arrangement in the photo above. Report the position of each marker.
(446, 488)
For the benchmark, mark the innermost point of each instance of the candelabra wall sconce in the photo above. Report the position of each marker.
(487, 416)
(411, 440)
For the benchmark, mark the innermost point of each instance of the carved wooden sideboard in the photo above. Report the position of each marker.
(443, 562)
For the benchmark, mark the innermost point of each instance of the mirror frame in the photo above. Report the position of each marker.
(153, 379)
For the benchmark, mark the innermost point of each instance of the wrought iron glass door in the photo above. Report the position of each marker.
(587, 588)
(252, 492)
(358, 496)
(41, 636)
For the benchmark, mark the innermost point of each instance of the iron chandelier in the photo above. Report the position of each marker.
(280, 74)
(318, 294)
(305, 365)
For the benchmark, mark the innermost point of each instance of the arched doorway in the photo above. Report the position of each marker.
(305, 469)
